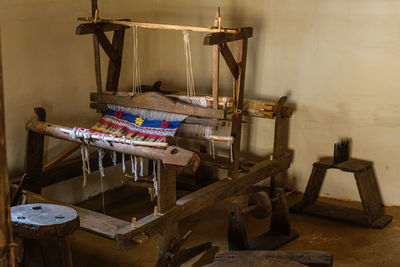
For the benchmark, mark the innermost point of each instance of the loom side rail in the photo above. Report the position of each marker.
(172, 156)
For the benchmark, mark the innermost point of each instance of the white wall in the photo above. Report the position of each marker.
(337, 60)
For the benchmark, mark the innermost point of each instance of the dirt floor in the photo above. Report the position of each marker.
(351, 245)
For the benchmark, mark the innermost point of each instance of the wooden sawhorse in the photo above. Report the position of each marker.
(372, 214)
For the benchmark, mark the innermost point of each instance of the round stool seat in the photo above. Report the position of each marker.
(37, 221)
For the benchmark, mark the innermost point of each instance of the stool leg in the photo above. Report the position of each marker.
(369, 193)
(313, 186)
(45, 249)
(64, 246)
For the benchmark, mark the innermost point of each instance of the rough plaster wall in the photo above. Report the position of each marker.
(337, 60)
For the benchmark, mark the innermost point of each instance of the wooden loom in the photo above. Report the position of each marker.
(169, 210)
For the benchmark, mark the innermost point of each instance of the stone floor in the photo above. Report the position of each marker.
(350, 245)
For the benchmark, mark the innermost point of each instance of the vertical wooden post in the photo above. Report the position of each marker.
(34, 156)
(166, 199)
(97, 67)
(6, 236)
(114, 68)
(215, 80)
(236, 130)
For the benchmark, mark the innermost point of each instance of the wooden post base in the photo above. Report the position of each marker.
(279, 234)
(372, 214)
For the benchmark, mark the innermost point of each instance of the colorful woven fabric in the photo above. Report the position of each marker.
(120, 123)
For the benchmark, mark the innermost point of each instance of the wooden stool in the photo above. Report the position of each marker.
(43, 222)
(372, 214)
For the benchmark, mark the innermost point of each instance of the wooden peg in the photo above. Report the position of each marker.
(96, 16)
(133, 222)
(155, 211)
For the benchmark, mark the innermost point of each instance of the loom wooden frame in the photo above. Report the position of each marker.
(170, 210)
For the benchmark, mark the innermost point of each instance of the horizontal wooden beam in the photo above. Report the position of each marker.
(173, 156)
(157, 101)
(221, 37)
(102, 108)
(200, 199)
(161, 26)
(88, 28)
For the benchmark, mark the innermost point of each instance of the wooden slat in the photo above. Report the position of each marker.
(205, 197)
(221, 37)
(96, 50)
(157, 101)
(90, 221)
(161, 26)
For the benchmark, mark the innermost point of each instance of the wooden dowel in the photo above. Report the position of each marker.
(160, 26)
(60, 156)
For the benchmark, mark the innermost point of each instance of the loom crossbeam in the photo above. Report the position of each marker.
(157, 101)
(172, 156)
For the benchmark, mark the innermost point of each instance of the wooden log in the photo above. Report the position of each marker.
(157, 101)
(221, 37)
(174, 156)
(6, 233)
(205, 197)
(312, 258)
(161, 26)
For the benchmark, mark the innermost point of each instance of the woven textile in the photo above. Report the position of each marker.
(120, 122)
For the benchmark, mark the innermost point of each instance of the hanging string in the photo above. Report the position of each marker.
(123, 163)
(190, 88)
(85, 164)
(113, 155)
(141, 166)
(136, 83)
(101, 170)
(155, 177)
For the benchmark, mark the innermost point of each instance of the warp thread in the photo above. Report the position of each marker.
(190, 89)
(85, 164)
(123, 163)
(101, 170)
(155, 177)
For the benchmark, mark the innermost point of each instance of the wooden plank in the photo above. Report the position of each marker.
(157, 101)
(221, 37)
(215, 79)
(90, 221)
(114, 68)
(161, 26)
(205, 197)
(312, 258)
(230, 60)
(236, 129)
(6, 233)
(88, 28)
(351, 165)
(166, 199)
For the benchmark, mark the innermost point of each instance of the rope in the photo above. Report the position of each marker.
(85, 164)
(136, 83)
(190, 88)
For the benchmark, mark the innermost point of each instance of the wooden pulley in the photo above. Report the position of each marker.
(259, 205)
